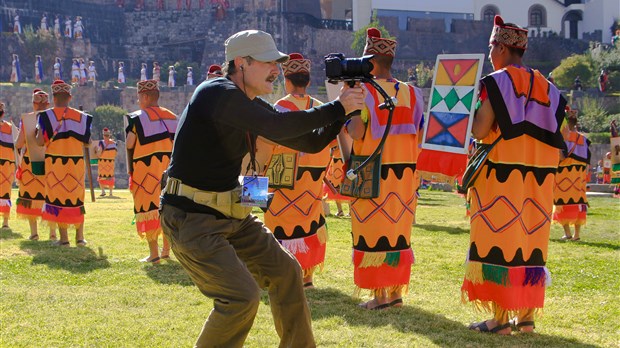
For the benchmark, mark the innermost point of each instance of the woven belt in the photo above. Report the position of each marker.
(176, 187)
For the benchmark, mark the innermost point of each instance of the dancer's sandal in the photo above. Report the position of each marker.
(366, 305)
(519, 326)
(81, 242)
(61, 243)
(483, 327)
(34, 237)
(397, 303)
(154, 260)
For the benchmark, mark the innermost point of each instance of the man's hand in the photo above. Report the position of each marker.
(352, 98)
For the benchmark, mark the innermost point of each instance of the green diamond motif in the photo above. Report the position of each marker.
(436, 99)
(451, 99)
(466, 100)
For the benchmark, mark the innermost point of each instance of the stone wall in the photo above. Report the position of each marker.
(174, 99)
(197, 36)
(18, 99)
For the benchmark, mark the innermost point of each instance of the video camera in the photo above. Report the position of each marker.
(338, 68)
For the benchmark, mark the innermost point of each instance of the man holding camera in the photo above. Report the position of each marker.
(229, 254)
(381, 226)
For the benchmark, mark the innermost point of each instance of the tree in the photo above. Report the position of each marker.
(572, 67)
(359, 37)
(109, 116)
(34, 43)
(593, 115)
(424, 75)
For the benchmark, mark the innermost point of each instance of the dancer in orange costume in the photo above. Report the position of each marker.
(106, 149)
(7, 167)
(569, 194)
(150, 133)
(65, 132)
(382, 254)
(31, 172)
(512, 199)
(296, 215)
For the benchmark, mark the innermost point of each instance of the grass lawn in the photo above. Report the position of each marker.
(101, 296)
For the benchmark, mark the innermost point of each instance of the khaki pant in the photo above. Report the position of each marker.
(230, 260)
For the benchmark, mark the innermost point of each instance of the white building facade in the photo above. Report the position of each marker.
(566, 18)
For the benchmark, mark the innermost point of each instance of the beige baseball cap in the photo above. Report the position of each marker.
(254, 43)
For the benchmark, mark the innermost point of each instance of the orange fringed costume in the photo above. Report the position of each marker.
(31, 182)
(296, 215)
(382, 254)
(66, 131)
(512, 199)
(7, 167)
(154, 129)
(569, 194)
(106, 162)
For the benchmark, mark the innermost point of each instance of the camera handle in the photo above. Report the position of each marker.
(390, 104)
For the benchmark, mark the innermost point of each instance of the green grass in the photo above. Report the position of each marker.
(101, 296)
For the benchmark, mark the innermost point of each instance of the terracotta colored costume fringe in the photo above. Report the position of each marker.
(154, 129)
(334, 174)
(106, 162)
(511, 201)
(31, 187)
(382, 254)
(66, 131)
(7, 167)
(296, 215)
(569, 194)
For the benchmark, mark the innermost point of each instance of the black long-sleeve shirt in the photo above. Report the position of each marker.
(211, 138)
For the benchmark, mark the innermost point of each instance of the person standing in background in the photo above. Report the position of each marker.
(65, 132)
(106, 151)
(31, 169)
(505, 271)
(7, 167)
(150, 134)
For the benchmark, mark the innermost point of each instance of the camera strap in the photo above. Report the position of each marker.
(389, 104)
(251, 143)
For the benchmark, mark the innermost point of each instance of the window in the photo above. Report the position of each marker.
(537, 16)
(489, 12)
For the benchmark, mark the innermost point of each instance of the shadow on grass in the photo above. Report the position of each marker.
(72, 259)
(431, 204)
(590, 244)
(423, 199)
(110, 197)
(439, 228)
(7, 233)
(328, 303)
(168, 272)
